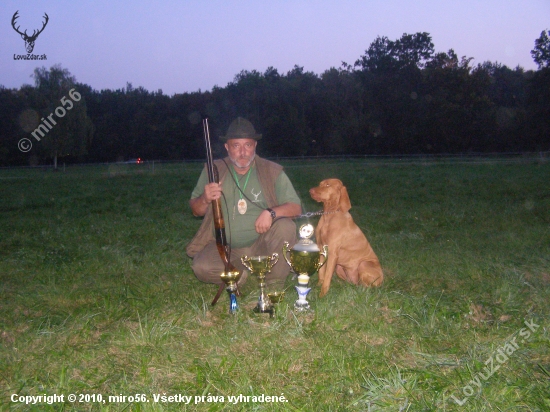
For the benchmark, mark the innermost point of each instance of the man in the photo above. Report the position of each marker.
(256, 197)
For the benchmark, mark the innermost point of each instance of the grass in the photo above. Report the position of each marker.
(97, 295)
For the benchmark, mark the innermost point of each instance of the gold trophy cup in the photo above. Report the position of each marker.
(276, 297)
(304, 260)
(260, 266)
(230, 279)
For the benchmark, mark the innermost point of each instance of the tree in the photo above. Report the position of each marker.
(391, 77)
(538, 110)
(541, 52)
(379, 56)
(414, 49)
(65, 128)
(384, 54)
(13, 121)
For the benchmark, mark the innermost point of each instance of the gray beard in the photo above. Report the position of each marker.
(234, 161)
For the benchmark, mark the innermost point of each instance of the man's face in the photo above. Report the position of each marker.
(241, 152)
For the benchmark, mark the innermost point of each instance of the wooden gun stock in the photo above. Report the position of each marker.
(219, 225)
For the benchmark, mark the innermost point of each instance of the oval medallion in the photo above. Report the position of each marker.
(241, 206)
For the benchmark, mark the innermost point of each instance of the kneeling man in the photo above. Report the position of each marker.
(257, 196)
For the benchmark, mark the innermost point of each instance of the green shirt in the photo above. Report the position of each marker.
(240, 228)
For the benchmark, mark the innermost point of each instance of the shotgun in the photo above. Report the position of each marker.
(219, 226)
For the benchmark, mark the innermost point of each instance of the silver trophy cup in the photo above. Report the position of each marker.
(304, 259)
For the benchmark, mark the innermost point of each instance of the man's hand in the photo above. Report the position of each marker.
(212, 191)
(199, 205)
(264, 221)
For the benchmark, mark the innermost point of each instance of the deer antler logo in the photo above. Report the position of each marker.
(255, 195)
(29, 40)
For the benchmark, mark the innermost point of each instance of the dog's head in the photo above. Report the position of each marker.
(333, 194)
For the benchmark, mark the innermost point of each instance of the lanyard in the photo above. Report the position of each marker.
(245, 183)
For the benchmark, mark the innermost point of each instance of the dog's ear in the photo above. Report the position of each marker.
(345, 204)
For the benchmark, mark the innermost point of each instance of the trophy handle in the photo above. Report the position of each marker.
(323, 253)
(244, 260)
(274, 259)
(285, 251)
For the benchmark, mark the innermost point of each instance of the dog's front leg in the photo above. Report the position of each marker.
(321, 274)
(321, 271)
(326, 277)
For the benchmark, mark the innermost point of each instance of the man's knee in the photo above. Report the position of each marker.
(205, 268)
(201, 269)
(198, 267)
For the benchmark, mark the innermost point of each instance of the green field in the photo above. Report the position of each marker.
(97, 297)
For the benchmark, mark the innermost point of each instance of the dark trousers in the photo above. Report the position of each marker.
(208, 266)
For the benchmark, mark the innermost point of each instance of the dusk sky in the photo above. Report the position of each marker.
(183, 46)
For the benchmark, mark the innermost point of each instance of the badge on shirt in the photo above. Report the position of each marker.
(241, 206)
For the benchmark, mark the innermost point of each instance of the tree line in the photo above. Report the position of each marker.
(399, 97)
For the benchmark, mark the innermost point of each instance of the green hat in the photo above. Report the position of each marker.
(241, 129)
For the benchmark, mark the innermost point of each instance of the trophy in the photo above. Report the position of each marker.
(230, 279)
(305, 260)
(260, 266)
(275, 297)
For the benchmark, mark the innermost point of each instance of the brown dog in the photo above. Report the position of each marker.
(349, 251)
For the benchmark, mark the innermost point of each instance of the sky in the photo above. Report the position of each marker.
(180, 46)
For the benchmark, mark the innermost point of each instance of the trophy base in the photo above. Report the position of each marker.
(264, 310)
(263, 306)
(301, 306)
(233, 305)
